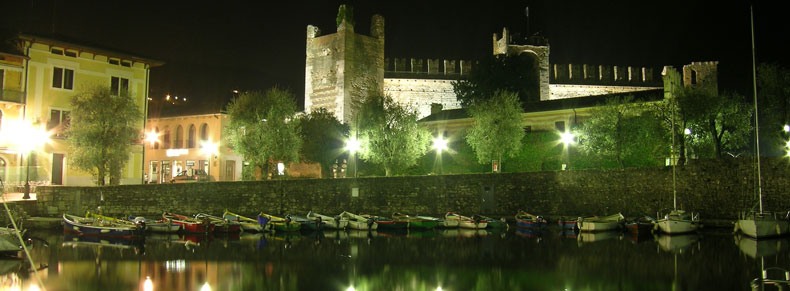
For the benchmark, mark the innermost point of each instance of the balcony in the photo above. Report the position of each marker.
(11, 95)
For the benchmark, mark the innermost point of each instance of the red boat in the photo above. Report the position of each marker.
(220, 224)
(190, 224)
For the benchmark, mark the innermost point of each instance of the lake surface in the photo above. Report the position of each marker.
(428, 260)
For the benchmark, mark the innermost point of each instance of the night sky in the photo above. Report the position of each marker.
(213, 47)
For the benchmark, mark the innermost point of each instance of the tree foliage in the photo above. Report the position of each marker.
(719, 123)
(497, 129)
(322, 137)
(263, 128)
(389, 134)
(773, 95)
(518, 74)
(624, 131)
(102, 129)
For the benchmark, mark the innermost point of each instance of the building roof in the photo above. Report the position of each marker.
(72, 43)
(559, 104)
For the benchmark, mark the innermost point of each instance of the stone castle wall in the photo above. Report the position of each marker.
(419, 94)
(715, 189)
(585, 74)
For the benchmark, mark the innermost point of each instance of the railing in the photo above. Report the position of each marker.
(11, 95)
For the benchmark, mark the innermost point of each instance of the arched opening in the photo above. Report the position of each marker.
(179, 143)
(166, 139)
(191, 137)
(204, 132)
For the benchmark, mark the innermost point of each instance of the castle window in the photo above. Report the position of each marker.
(116, 62)
(56, 51)
(191, 136)
(70, 53)
(693, 77)
(126, 64)
(204, 132)
(59, 121)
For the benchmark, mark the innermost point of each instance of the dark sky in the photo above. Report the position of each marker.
(213, 47)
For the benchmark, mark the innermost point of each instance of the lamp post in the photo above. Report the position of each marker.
(353, 146)
(439, 144)
(567, 139)
(31, 138)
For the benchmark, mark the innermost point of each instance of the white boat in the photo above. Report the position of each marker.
(359, 222)
(678, 221)
(601, 223)
(760, 223)
(675, 221)
(465, 222)
(329, 222)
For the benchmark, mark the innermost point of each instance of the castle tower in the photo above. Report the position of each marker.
(702, 75)
(343, 66)
(537, 50)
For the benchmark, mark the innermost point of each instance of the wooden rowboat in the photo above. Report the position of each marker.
(220, 224)
(465, 221)
(359, 222)
(247, 224)
(329, 222)
(601, 223)
(190, 224)
(527, 220)
(97, 227)
(280, 224)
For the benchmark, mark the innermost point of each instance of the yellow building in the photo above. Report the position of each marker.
(40, 78)
(186, 144)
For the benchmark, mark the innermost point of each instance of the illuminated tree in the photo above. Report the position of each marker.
(497, 129)
(262, 128)
(322, 137)
(516, 74)
(102, 129)
(389, 133)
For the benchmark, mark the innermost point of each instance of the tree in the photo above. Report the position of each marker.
(773, 85)
(497, 129)
(263, 128)
(389, 134)
(322, 137)
(623, 131)
(718, 122)
(102, 129)
(518, 74)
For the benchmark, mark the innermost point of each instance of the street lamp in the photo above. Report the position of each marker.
(352, 146)
(567, 139)
(439, 144)
(29, 138)
(210, 149)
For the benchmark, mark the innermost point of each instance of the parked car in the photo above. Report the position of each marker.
(188, 176)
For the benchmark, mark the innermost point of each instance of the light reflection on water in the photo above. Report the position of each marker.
(428, 260)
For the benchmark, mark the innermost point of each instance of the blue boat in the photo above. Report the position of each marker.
(84, 226)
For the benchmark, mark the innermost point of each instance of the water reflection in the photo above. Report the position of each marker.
(452, 259)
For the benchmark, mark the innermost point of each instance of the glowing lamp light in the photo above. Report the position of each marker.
(205, 287)
(353, 145)
(209, 148)
(351, 288)
(151, 137)
(148, 285)
(687, 131)
(567, 138)
(440, 144)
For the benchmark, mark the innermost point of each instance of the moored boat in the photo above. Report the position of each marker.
(329, 222)
(307, 223)
(762, 224)
(359, 222)
(247, 224)
(465, 221)
(568, 223)
(9, 240)
(600, 223)
(416, 222)
(190, 224)
(494, 223)
(640, 225)
(220, 224)
(678, 221)
(276, 223)
(159, 226)
(528, 220)
(97, 227)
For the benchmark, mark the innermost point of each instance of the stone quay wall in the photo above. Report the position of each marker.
(717, 190)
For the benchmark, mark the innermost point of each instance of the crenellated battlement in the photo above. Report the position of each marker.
(604, 75)
(428, 67)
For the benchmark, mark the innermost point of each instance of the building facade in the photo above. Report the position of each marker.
(185, 144)
(40, 77)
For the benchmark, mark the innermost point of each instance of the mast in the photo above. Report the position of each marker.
(673, 161)
(756, 120)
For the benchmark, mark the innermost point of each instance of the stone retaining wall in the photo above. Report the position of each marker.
(716, 189)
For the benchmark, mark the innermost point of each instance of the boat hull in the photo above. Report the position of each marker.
(71, 224)
(606, 223)
(676, 226)
(762, 226)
